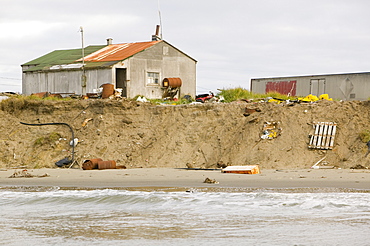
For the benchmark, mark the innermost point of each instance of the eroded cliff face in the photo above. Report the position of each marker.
(145, 135)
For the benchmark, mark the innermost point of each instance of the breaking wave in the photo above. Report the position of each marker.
(168, 216)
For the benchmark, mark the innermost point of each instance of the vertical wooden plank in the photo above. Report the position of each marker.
(328, 139)
(310, 145)
(333, 135)
(317, 128)
(320, 135)
(324, 135)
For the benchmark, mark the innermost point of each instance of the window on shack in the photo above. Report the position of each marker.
(152, 78)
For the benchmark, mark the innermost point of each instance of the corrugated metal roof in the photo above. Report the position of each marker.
(118, 52)
(101, 56)
(60, 57)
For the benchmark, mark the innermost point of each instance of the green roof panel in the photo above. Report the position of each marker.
(59, 57)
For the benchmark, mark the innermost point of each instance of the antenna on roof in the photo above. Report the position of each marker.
(82, 42)
(83, 77)
(160, 19)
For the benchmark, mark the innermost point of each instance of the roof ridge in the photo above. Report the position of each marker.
(112, 51)
(116, 52)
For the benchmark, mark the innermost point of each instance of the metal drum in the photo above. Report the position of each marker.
(106, 165)
(108, 90)
(172, 82)
(91, 164)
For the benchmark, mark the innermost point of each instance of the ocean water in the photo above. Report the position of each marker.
(169, 216)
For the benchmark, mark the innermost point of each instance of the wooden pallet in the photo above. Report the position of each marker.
(324, 135)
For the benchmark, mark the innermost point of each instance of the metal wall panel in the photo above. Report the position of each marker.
(283, 87)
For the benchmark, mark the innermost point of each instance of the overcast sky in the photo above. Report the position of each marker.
(233, 41)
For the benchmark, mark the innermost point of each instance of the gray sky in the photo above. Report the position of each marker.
(233, 41)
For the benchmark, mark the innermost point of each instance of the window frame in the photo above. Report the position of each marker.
(151, 80)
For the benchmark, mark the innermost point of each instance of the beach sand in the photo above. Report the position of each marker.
(184, 178)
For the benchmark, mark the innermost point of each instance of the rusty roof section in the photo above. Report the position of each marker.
(118, 52)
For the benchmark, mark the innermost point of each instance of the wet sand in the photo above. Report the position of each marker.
(167, 177)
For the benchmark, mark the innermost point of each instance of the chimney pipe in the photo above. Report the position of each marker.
(109, 41)
(157, 30)
(156, 37)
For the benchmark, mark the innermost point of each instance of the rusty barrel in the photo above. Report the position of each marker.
(91, 164)
(108, 90)
(41, 94)
(172, 82)
(106, 165)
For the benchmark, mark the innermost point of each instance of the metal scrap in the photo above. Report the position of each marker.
(210, 181)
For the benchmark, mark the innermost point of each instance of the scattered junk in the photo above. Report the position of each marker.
(7, 94)
(289, 102)
(105, 91)
(204, 97)
(65, 161)
(95, 95)
(171, 87)
(276, 100)
(47, 94)
(221, 98)
(86, 121)
(251, 169)
(21, 174)
(208, 98)
(25, 174)
(323, 166)
(3, 97)
(187, 98)
(210, 181)
(141, 99)
(323, 136)
(192, 166)
(312, 98)
(98, 163)
(249, 111)
(271, 130)
(74, 142)
(221, 164)
(91, 164)
(358, 166)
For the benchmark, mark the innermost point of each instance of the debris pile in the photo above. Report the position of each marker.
(271, 130)
(25, 174)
